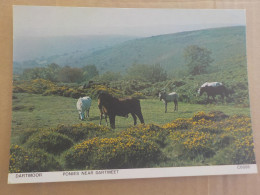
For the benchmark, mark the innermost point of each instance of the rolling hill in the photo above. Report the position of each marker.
(226, 44)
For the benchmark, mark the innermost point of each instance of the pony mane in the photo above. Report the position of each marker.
(107, 96)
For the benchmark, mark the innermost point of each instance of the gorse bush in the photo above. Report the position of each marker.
(75, 132)
(208, 133)
(49, 141)
(180, 123)
(187, 88)
(213, 116)
(18, 159)
(37, 86)
(152, 132)
(95, 89)
(119, 152)
(244, 150)
(32, 160)
(193, 143)
(205, 138)
(46, 87)
(81, 131)
(24, 136)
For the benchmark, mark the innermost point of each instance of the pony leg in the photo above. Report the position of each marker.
(106, 120)
(101, 116)
(140, 116)
(112, 119)
(88, 113)
(134, 117)
(165, 107)
(175, 105)
(222, 97)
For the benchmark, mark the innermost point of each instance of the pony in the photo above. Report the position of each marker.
(83, 104)
(171, 97)
(111, 106)
(212, 89)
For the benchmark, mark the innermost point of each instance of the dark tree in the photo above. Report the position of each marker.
(109, 76)
(144, 72)
(197, 59)
(89, 72)
(70, 75)
(49, 72)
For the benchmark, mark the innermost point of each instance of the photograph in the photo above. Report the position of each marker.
(123, 93)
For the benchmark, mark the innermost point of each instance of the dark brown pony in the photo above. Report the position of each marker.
(213, 91)
(112, 107)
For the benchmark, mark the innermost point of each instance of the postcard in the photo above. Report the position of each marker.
(124, 93)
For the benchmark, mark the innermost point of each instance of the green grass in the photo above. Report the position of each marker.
(34, 112)
(31, 111)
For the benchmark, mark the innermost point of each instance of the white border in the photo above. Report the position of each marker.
(86, 175)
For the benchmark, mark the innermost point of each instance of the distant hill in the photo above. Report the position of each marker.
(39, 51)
(226, 44)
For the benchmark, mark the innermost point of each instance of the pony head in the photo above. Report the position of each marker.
(162, 95)
(202, 90)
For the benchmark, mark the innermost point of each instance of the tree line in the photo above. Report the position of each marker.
(55, 73)
(197, 61)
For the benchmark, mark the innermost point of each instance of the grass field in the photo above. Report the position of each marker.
(182, 138)
(31, 111)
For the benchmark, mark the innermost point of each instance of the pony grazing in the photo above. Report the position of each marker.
(212, 89)
(83, 105)
(112, 107)
(171, 97)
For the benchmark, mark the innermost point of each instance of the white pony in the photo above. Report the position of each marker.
(83, 105)
(171, 97)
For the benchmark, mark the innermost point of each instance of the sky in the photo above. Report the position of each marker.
(42, 21)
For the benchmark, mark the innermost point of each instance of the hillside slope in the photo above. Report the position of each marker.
(226, 44)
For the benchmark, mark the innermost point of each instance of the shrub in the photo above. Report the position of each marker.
(55, 91)
(18, 159)
(180, 123)
(81, 131)
(77, 95)
(49, 141)
(118, 152)
(138, 95)
(244, 151)
(217, 115)
(24, 136)
(68, 92)
(212, 133)
(223, 140)
(38, 86)
(18, 89)
(151, 132)
(46, 87)
(193, 143)
(32, 160)
(213, 116)
(96, 89)
(201, 115)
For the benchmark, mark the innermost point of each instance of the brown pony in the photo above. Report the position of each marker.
(112, 107)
